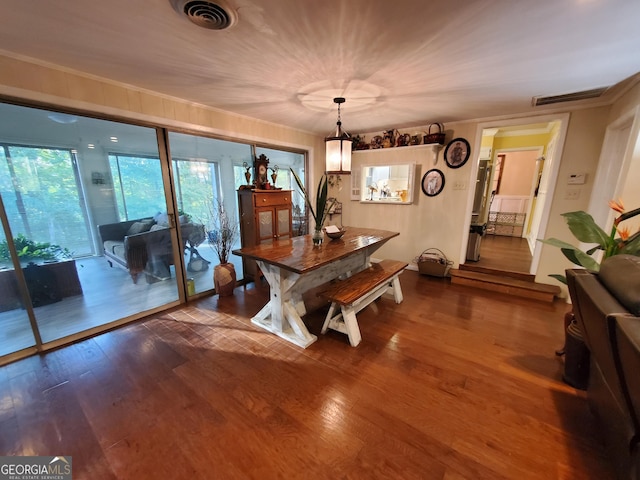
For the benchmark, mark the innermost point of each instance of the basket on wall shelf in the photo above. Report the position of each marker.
(433, 262)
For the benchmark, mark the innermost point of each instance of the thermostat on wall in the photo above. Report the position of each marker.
(577, 178)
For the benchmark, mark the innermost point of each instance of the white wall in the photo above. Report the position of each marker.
(429, 221)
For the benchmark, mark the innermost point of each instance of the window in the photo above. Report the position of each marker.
(197, 187)
(284, 161)
(43, 197)
(138, 188)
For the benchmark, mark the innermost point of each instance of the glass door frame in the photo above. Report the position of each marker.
(171, 196)
(24, 293)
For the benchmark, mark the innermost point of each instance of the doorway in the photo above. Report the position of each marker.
(516, 168)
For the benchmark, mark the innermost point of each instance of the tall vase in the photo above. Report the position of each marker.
(224, 279)
(317, 237)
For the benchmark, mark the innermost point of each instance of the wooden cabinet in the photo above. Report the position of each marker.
(265, 215)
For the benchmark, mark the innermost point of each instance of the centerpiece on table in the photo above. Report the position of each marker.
(322, 208)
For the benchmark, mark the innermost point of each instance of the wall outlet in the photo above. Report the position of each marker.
(459, 185)
(572, 194)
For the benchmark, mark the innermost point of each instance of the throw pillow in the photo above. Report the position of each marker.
(161, 218)
(138, 227)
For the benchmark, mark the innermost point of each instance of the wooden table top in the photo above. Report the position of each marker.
(298, 254)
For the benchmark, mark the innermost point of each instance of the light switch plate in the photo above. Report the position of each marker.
(572, 194)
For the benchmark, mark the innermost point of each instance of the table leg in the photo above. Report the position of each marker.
(280, 315)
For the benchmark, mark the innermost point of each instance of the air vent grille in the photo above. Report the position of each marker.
(568, 97)
(210, 15)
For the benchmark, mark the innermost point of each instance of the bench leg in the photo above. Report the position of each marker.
(397, 290)
(343, 322)
(327, 320)
(351, 324)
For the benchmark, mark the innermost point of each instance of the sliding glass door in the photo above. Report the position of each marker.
(204, 175)
(88, 206)
(104, 223)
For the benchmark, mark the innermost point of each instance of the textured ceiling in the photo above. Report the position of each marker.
(399, 64)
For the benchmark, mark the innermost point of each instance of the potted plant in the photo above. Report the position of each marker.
(585, 229)
(223, 234)
(322, 209)
(31, 251)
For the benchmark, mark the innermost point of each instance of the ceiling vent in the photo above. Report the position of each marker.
(568, 97)
(211, 15)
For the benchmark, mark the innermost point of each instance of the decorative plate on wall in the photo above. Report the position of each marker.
(432, 182)
(457, 152)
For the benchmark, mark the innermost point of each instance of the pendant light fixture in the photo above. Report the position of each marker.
(338, 148)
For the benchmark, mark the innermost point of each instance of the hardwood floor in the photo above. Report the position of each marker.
(451, 384)
(504, 253)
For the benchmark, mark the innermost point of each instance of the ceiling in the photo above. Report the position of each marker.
(398, 64)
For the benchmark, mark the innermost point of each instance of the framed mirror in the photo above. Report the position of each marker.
(432, 182)
(387, 184)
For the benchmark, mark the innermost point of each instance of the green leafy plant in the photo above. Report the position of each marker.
(585, 229)
(322, 209)
(182, 213)
(29, 250)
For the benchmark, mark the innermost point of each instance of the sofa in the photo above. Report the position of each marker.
(144, 246)
(606, 306)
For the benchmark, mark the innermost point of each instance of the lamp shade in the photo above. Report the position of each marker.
(338, 150)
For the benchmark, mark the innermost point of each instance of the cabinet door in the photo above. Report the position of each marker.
(266, 224)
(283, 215)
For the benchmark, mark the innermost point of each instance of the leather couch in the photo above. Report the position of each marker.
(606, 306)
(144, 246)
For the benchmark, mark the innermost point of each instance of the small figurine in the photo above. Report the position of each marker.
(247, 174)
(274, 174)
(388, 139)
(403, 139)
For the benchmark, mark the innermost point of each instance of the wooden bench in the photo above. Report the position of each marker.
(356, 292)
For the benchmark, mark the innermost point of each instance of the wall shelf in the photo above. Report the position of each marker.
(434, 146)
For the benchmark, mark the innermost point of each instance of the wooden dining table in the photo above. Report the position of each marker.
(294, 266)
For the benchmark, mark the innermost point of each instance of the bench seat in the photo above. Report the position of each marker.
(356, 292)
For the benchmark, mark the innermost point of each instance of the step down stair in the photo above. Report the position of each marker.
(509, 283)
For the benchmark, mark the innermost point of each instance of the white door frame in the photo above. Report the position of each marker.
(613, 165)
(563, 119)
